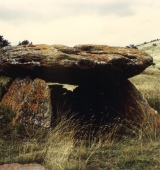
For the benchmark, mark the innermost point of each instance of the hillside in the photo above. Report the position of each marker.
(148, 81)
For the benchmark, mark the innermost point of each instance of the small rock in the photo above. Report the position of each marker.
(16, 166)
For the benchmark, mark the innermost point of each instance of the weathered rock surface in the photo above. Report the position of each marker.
(137, 109)
(73, 65)
(99, 72)
(4, 85)
(17, 166)
(30, 100)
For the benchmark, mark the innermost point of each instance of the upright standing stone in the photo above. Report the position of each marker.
(30, 100)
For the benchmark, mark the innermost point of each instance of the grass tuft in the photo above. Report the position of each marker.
(73, 146)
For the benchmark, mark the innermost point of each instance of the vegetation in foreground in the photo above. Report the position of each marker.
(71, 146)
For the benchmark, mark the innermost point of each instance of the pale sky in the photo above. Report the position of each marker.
(73, 22)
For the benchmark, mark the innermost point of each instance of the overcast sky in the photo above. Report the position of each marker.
(73, 22)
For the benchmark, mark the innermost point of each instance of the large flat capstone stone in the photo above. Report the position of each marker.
(73, 65)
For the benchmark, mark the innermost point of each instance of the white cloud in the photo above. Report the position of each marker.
(111, 22)
(47, 10)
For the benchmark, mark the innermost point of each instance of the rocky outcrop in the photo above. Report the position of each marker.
(17, 166)
(98, 72)
(30, 100)
(73, 65)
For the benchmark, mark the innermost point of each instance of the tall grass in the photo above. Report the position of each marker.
(151, 92)
(73, 146)
(65, 148)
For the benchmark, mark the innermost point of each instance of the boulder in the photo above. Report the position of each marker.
(99, 74)
(16, 166)
(30, 100)
(73, 65)
(137, 109)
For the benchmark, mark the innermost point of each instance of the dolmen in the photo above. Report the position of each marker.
(42, 77)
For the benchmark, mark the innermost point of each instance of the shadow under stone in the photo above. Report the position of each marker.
(99, 102)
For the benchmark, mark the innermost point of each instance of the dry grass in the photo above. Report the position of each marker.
(149, 86)
(65, 147)
(72, 146)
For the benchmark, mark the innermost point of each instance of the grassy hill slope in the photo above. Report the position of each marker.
(149, 80)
